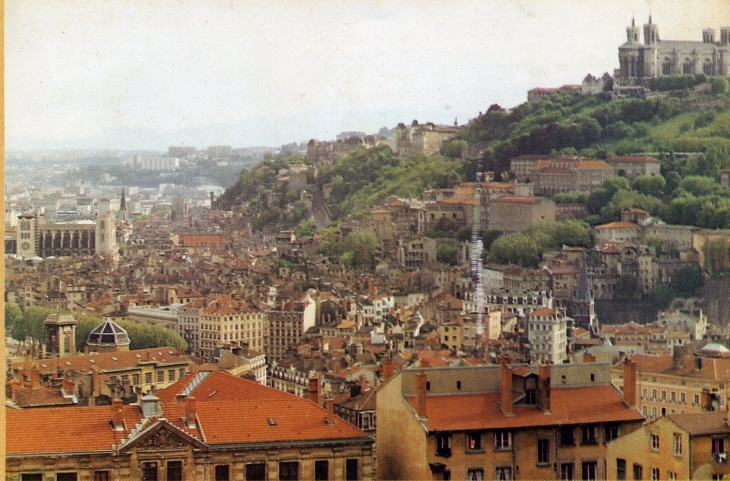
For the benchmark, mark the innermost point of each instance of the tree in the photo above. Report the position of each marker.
(360, 250)
(448, 253)
(662, 296)
(517, 248)
(698, 185)
(31, 324)
(650, 184)
(454, 148)
(687, 281)
(12, 314)
(719, 85)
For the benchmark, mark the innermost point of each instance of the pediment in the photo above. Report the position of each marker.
(162, 435)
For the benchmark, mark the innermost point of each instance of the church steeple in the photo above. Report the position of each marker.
(584, 309)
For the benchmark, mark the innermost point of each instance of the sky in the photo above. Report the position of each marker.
(260, 72)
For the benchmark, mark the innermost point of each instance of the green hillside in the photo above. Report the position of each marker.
(594, 126)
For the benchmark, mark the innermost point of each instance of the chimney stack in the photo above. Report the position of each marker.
(505, 391)
(421, 394)
(678, 353)
(117, 416)
(313, 391)
(388, 370)
(35, 378)
(95, 382)
(330, 405)
(543, 388)
(190, 421)
(630, 383)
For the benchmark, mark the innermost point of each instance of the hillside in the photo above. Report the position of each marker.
(593, 126)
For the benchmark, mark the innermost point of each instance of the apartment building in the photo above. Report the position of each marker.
(500, 422)
(225, 321)
(679, 446)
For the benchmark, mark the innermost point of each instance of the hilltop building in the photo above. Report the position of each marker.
(640, 62)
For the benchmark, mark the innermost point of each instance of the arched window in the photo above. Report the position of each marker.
(687, 66)
(708, 68)
(667, 66)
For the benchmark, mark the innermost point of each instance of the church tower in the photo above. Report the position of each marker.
(106, 229)
(632, 32)
(60, 335)
(584, 305)
(651, 33)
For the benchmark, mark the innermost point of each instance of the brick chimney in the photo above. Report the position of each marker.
(35, 378)
(543, 388)
(421, 394)
(505, 391)
(313, 391)
(330, 405)
(95, 382)
(630, 383)
(117, 416)
(678, 353)
(388, 370)
(190, 419)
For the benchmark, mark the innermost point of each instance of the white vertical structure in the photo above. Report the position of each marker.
(547, 331)
(477, 248)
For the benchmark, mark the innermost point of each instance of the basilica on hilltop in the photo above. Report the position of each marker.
(654, 58)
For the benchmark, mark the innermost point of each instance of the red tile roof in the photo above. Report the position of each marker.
(518, 199)
(481, 411)
(215, 385)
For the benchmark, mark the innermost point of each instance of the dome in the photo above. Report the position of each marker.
(108, 333)
(714, 349)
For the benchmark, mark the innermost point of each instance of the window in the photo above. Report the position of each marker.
(654, 474)
(149, 471)
(222, 472)
(101, 475)
(289, 470)
(474, 441)
(697, 400)
(610, 432)
(566, 436)
(566, 471)
(321, 470)
(174, 471)
(718, 450)
(543, 451)
(638, 472)
(501, 473)
(31, 477)
(620, 469)
(653, 394)
(443, 444)
(160, 376)
(351, 471)
(256, 472)
(664, 396)
(171, 375)
(502, 439)
(682, 398)
(588, 435)
(589, 470)
(655, 442)
(476, 474)
(677, 444)
(66, 477)
(148, 378)
(672, 476)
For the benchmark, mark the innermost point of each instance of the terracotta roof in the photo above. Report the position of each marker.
(518, 199)
(707, 368)
(219, 385)
(542, 312)
(65, 430)
(619, 225)
(481, 411)
(698, 424)
(109, 361)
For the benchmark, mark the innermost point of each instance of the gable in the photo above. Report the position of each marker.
(161, 435)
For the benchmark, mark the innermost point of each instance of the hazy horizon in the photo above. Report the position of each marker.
(256, 73)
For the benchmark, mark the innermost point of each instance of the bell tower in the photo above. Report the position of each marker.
(60, 335)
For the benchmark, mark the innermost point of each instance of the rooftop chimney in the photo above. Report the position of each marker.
(630, 383)
(35, 378)
(330, 405)
(505, 391)
(421, 394)
(678, 357)
(190, 413)
(543, 388)
(95, 382)
(151, 406)
(117, 416)
(313, 391)
(388, 370)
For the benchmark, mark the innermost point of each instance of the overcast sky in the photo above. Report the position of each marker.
(77, 67)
